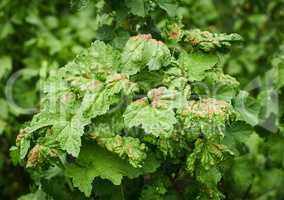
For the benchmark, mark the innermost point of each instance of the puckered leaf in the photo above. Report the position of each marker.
(100, 60)
(205, 155)
(38, 155)
(125, 147)
(108, 95)
(156, 121)
(206, 117)
(95, 161)
(104, 57)
(208, 41)
(70, 113)
(168, 98)
(141, 51)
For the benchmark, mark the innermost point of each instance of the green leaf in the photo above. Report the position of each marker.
(70, 136)
(25, 144)
(207, 116)
(95, 161)
(280, 77)
(169, 6)
(4, 109)
(38, 195)
(205, 155)
(43, 119)
(238, 132)
(156, 121)
(208, 41)
(274, 148)
(158, 189)
(97, 62)
(218, 85)
(248, 108)
(3, 125)
(242, 173)
(101, 58)
(196, 64)
(143, 51)
(136, 7)
(125, 147)
(70, 139)
(6, 30)
(268, 180)
(14, 155)
(209, 177)
(109, 95)
(5, 66)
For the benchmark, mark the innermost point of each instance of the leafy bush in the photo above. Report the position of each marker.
(101, 110)
(146, 112)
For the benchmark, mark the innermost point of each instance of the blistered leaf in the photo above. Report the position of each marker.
(109, 95)
(156, 121)
(209, 41)
(125, 147)
(104, 58)
(168, 98)
(205, 155)
(143, 51)
(206, 117)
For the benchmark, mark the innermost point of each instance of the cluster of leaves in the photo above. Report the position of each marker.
(202, 136)
(35, 37)
(141, 113)
(259, 67)
(259, 22)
